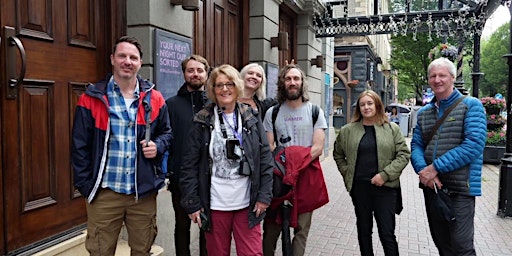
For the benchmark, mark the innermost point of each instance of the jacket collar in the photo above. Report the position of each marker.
(448, 101)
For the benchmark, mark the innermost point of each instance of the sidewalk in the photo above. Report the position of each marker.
(333, 230)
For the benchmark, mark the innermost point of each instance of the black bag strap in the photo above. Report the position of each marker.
(441, 120)
(147, 107)
(315, 111)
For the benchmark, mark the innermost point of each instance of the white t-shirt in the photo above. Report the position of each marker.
(229, 190)
(294, 127)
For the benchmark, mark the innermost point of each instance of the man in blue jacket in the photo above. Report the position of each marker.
(452, 159)
(116, 157)
(190, 99)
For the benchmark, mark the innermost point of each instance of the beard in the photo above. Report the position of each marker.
(195, 86)
(293, 96)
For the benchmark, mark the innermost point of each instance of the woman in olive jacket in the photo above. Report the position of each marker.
(213, 180)
(371, 153)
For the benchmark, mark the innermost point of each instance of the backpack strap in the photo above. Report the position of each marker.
(315, 110)
(147, 107)
(275, 110)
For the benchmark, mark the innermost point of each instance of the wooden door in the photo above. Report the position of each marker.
(288, 23)
(221, 32)
(61, 45)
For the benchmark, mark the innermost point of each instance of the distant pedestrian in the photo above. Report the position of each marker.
(394, 116)
(371, 153)
(450, 158)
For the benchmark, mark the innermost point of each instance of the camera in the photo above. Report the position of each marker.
(233, 150)
(245, 168)
(284, 140)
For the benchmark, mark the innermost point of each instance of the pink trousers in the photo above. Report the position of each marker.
(223, 224)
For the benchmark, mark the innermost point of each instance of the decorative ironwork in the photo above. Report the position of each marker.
(464, 22)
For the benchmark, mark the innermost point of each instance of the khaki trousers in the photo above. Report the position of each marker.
(105, 217)
(271, 231)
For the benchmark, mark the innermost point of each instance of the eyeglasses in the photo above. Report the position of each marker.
(228, 85)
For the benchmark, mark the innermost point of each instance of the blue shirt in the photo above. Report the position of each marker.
(122, 145)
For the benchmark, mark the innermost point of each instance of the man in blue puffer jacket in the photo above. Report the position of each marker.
(115, 164)
(452, 159)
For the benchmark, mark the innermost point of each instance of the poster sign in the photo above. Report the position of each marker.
(169, 50)
(272, 73)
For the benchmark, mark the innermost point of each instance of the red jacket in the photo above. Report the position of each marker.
(309, 191)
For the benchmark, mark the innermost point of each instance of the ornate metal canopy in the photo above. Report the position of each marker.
(453, 18)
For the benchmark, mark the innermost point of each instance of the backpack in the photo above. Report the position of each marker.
(278, 188)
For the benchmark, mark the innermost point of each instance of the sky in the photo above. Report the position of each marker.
(498, 18)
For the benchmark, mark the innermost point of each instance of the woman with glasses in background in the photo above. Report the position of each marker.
(227, 168)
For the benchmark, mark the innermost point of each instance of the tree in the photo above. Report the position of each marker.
(492, 63)
(410, 59)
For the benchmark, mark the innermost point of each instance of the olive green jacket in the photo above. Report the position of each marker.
(392, 152)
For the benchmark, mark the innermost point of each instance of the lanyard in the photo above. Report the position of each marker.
(223, 116)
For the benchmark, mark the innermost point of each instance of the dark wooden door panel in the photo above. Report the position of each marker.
(66, 45)
(221, 32)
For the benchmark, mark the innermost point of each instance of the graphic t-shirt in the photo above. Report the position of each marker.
(294, 127)
(229, 190)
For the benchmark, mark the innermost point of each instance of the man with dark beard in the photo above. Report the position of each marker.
(303, 140)
(190, 99)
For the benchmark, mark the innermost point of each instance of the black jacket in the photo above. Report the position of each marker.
(195, 179)
(182, 109)
(264, 105)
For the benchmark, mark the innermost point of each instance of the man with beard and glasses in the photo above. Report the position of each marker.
(303, 143)
(190, 99)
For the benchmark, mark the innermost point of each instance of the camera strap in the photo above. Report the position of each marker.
(234, 130)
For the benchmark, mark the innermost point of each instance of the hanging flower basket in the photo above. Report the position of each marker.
(443, 50)
(491, 104)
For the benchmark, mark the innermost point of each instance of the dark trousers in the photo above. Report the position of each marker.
(182, 229)
(455, 237)
(370, 200)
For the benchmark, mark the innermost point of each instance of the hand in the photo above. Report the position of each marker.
(148, 149)
(196, 218)
(260, 208)
(427, 174)
(377, 180)
(292, 62)
(436, 180)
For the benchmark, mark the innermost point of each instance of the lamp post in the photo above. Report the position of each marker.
(505, 191)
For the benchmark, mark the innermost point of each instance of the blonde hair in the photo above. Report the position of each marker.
(232, 74)
(260, 92)
(380, 115)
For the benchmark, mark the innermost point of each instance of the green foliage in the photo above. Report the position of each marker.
(496, 138)
(410, 59)
(492, 63)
